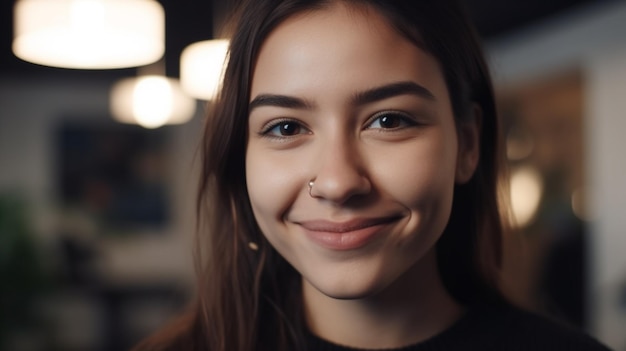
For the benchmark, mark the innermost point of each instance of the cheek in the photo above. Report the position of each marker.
(419, 175)
(259, 183)
(272, 186)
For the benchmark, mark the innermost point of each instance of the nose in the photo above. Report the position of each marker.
(341, 174)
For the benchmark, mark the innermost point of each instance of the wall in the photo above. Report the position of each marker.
(592, 40)
(130, 283)
(30, 110)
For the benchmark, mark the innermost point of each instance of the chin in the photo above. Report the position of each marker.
(348, 289)
(348, 293)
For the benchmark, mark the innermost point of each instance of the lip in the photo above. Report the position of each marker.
(348, 235)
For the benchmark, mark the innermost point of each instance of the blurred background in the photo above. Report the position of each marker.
(97, 190)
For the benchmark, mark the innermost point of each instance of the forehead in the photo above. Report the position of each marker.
(331, 26)
(354, 40)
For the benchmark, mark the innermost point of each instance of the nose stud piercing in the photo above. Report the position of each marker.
(311, 187)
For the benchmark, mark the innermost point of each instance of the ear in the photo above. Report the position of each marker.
(469, 146)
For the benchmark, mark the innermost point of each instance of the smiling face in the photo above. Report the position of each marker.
(340, 98)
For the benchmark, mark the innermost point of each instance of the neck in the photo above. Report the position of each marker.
(414, 308)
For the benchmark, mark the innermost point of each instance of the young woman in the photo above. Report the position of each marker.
(348, 195)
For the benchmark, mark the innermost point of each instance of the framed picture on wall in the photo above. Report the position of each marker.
(116, 173)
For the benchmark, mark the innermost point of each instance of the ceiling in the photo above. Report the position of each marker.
(188, 21)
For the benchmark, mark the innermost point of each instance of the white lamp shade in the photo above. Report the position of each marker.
(202, 66)
(150, 101)
(89, 34)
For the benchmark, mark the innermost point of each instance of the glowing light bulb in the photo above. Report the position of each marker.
(526, 191)
(151, 101)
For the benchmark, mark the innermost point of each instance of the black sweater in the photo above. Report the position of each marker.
(491, 329)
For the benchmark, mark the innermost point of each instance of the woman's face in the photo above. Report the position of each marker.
(341, 99)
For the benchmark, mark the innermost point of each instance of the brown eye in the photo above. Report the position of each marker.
(288, 128)
(284, 128)
(390, 120)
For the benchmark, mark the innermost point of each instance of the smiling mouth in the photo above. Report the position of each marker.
(347, 226)
(348, 235)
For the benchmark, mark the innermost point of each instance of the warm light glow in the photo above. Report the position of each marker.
(526, 192)
(151, 101)
(201, 68)
(89, 34)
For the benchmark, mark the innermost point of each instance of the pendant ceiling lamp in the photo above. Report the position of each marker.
(150, 101)
(89, 34)
(201, 68)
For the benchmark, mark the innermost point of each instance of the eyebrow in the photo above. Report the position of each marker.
(361, 98)
(390, 90)
(280, 101)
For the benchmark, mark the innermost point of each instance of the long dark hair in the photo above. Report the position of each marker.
(249, 299)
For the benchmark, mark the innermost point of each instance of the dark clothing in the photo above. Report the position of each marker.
(491, 329)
